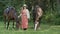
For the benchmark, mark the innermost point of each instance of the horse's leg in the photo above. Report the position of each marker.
(36, 24)
(8, 23)
(17, 25)
(39, 23)
(5, 21)
(34, 21)
(13, 23)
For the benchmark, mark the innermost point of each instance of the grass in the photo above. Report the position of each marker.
(45, 29)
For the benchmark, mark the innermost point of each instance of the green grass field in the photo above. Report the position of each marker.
(45, 29)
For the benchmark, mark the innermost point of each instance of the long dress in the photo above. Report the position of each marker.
(24, 19)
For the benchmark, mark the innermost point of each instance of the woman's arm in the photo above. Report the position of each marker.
(28, 14)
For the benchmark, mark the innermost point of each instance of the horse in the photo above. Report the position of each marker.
(10, 14)
(37, 15)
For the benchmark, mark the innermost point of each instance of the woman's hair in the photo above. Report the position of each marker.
(24, 6)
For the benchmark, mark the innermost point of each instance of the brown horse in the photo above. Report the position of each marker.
(37, 14)
(10, 14)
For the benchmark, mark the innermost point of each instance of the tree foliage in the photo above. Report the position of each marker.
(51, 8)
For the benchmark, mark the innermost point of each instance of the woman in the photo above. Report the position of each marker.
(24, 17)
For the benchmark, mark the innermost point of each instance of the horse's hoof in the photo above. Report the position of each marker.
(35, 29)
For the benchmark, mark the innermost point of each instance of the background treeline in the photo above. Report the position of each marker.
(51, 9)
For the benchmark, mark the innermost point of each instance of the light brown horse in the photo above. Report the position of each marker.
(37, 15)
(10, 14)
